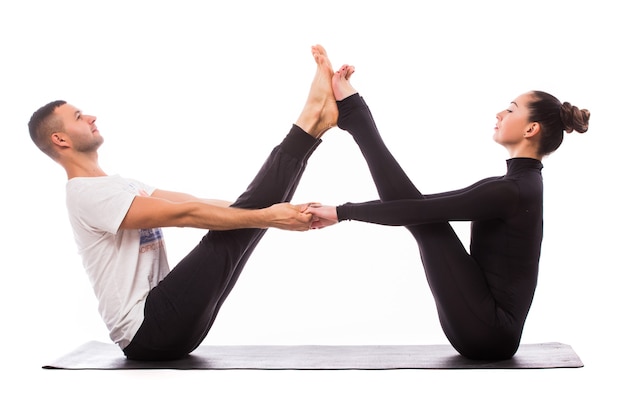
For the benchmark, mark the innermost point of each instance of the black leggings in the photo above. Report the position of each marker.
(181, 309)
(463, 299)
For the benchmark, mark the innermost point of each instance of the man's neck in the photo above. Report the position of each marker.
(83, 168)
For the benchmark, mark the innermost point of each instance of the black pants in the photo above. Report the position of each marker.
(464, 301)
(181, 309)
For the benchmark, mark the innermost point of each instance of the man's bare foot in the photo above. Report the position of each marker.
(341, 83)
(320, 110)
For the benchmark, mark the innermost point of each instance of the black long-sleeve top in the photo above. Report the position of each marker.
(507, 225)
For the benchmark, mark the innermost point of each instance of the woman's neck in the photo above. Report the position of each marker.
(523, 152)
(533, 155)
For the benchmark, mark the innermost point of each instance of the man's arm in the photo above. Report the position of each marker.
(177, 197)
(155, 211)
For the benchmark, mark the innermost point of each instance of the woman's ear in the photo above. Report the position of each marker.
(531, 130)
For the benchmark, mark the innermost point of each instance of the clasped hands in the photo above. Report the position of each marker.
(301, 217)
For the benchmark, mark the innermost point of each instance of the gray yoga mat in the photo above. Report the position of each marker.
(99, 355)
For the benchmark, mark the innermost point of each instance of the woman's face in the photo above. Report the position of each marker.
(512, 123)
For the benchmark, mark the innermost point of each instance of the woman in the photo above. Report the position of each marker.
(482, 297)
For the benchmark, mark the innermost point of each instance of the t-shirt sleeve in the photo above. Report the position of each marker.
(102, 206)
(484, 200)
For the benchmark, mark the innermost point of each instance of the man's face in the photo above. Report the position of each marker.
(79, 129)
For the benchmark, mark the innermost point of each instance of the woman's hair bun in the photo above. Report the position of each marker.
(574, 118)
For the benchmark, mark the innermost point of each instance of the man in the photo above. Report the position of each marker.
(152, 312)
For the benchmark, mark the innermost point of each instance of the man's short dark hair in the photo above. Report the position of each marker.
(42, 125)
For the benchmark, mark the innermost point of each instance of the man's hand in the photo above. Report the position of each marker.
(287, 216)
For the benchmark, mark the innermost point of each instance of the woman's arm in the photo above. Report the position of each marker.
(483, 200)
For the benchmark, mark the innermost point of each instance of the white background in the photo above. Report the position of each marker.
(191, 96)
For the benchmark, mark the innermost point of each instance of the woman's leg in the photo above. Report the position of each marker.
(181, 309)
(464, 303)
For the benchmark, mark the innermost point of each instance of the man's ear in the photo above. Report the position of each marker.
(60, 139)
(531, 130)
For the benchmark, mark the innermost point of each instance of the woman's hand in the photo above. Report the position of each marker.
(323, 216)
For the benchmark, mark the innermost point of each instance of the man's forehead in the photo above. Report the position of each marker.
(67, 109)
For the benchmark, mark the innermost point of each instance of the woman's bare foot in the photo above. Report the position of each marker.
(341, 83)
(320, 110)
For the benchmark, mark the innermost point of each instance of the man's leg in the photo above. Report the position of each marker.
(181, 309)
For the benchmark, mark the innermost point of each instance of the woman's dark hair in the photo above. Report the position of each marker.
(555, 118)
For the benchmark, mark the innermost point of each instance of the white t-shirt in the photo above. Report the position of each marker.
(122, 265)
